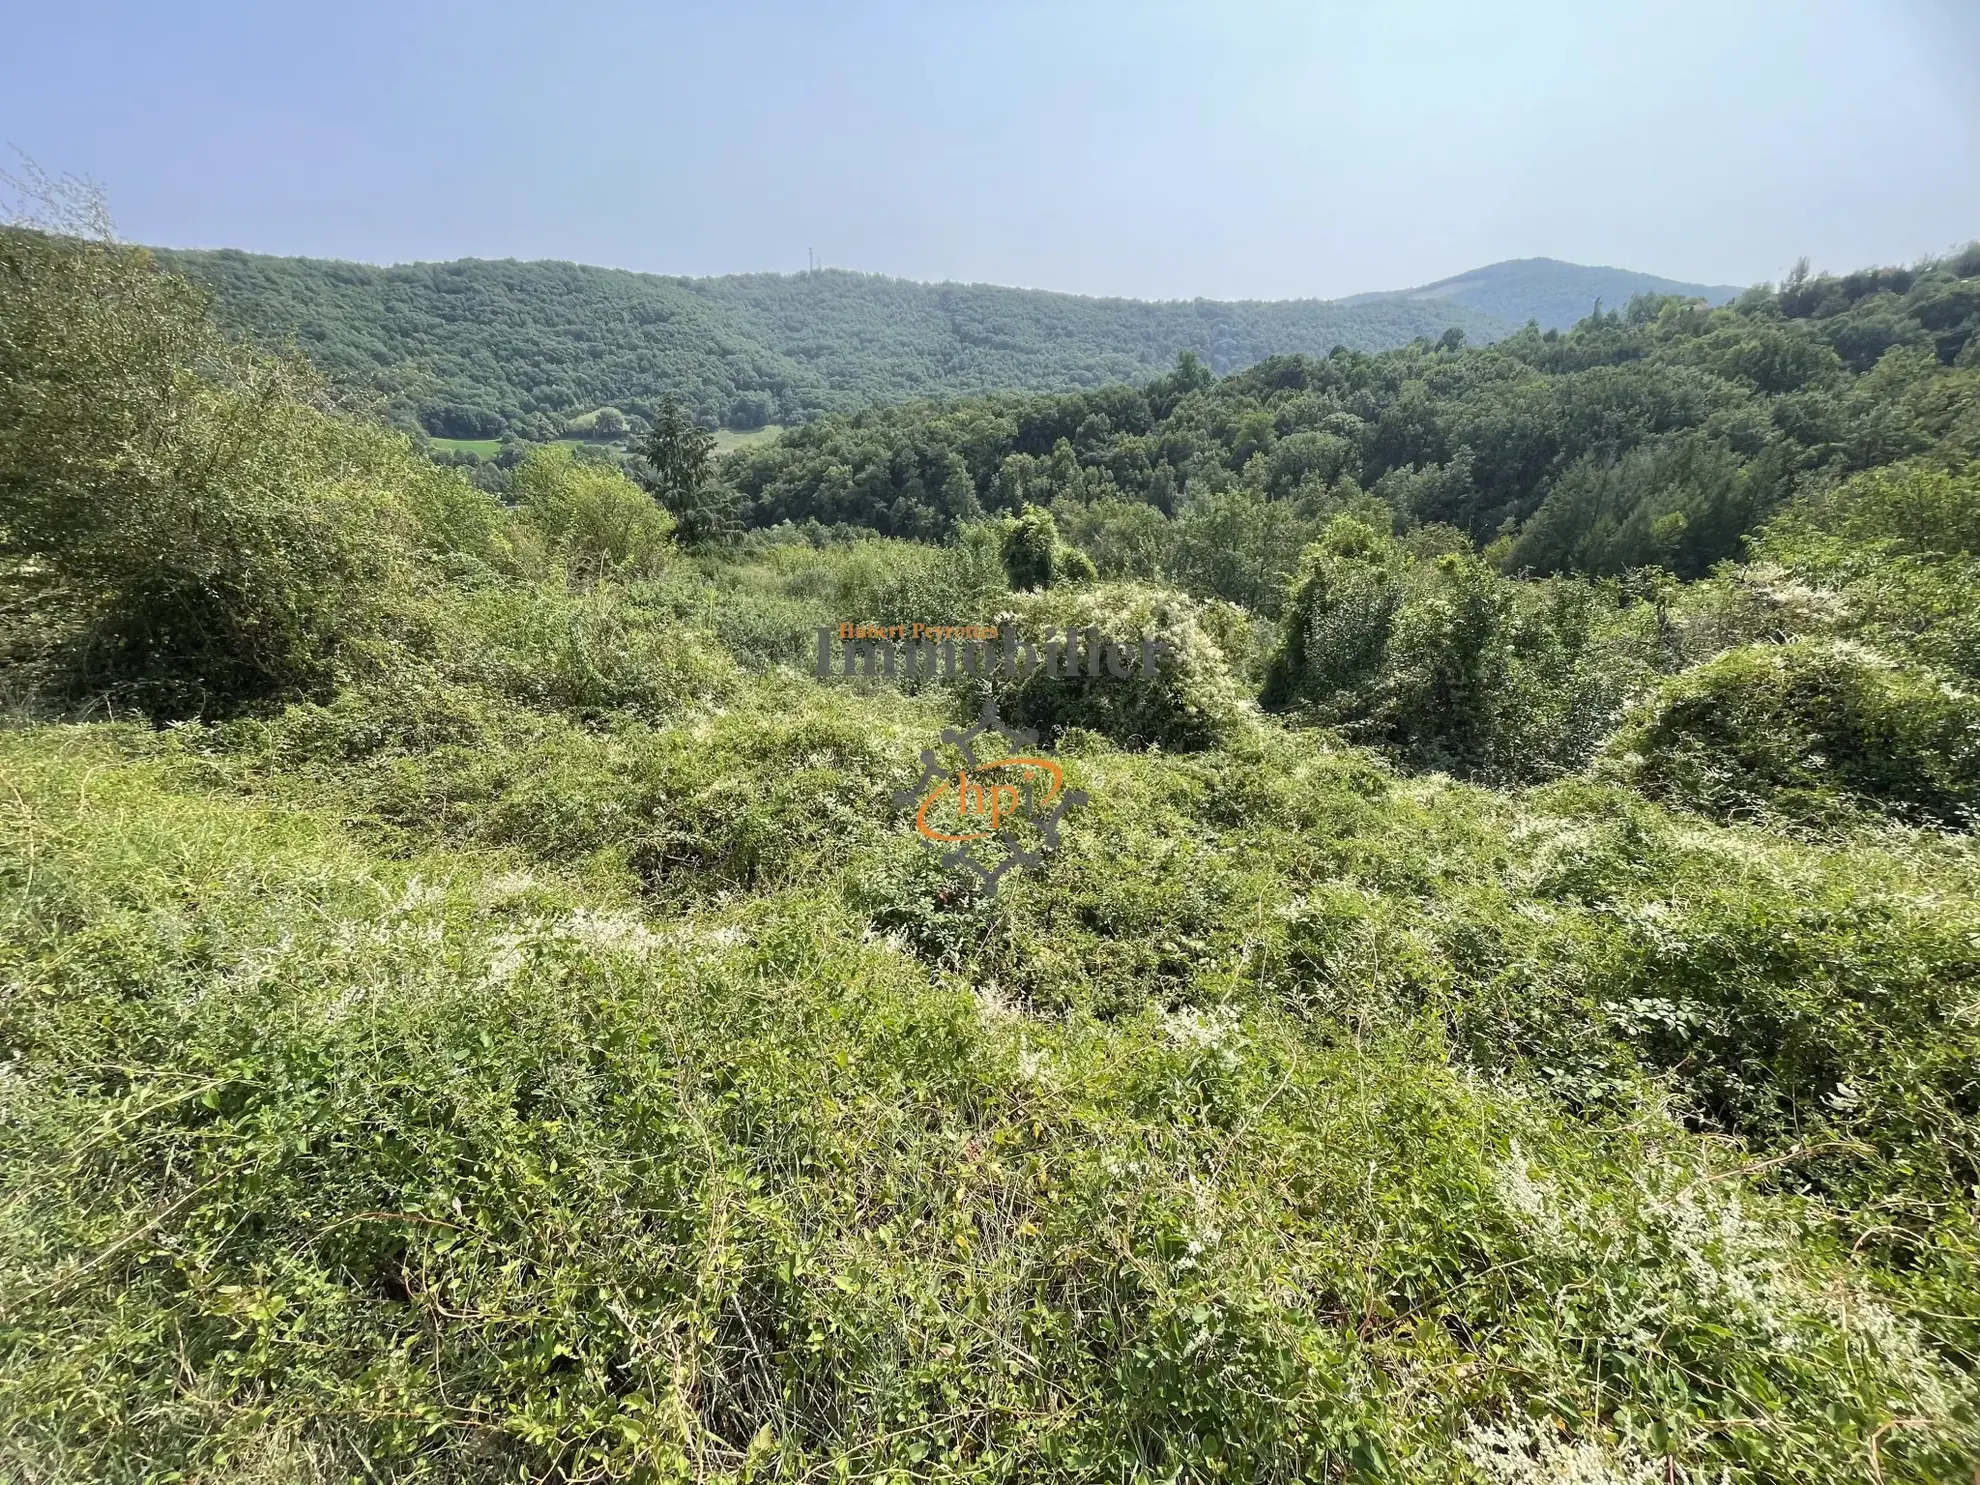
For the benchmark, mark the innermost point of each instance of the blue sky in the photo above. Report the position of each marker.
(1236, 149)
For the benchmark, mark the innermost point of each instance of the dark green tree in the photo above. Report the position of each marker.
(677, 467)
(679, 456)
(1034, 555)
(1028, 544)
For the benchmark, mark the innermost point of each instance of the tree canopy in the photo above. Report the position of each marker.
(1659, 434)
(475, 349)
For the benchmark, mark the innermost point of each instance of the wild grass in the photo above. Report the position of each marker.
(465, 1090)
(486, 448)
(727, 439)
(491, 1021)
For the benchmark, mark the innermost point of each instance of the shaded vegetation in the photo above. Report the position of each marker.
(1807, 728)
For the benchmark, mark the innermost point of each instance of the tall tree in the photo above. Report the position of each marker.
(677, 467)
(679, 456)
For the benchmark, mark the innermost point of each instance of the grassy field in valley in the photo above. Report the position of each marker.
(726, 440)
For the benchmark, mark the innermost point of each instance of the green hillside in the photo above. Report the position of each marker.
(476, 1006)
(471, 349)
(1546, 290)
(1657, 435)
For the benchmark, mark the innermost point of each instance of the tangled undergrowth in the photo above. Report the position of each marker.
(470, 1094)
(489, 1019)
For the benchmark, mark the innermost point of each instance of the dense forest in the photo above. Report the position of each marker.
(473, 1006)
(1656, 435)
(476, 349)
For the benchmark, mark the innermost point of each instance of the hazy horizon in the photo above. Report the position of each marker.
(904, 278)
(1261, 151)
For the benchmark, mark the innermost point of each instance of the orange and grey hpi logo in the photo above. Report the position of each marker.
(1015, 802)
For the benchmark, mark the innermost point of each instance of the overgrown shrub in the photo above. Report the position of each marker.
(1034, 555)
(768, 787)
(206, 537)
(956, 584)
(1894, 555)
(586, 654)
(596, 522)
(1809, 731)
(1913, 508)
(1192, 701)
(1335, 632)
(768, 607)
(1449, 663)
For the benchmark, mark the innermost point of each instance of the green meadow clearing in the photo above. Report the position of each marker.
(726, 440)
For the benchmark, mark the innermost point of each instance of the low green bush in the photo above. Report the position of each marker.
(585, 653)
(1450, 664)
(768, 605)
(1811, 731)
(1193, 700)
(595, 521)
(771, 784)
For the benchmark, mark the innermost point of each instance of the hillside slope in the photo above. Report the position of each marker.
(475, 348)
(519, 1025)
(1661, 435)
(1554, 293)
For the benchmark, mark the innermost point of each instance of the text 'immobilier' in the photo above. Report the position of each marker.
(925, 651)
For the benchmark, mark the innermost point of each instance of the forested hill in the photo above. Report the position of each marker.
(1554, 293)
(473, 349)
(1657, 435)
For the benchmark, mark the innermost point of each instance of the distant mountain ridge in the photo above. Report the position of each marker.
(476, 348)
(1546, 290)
